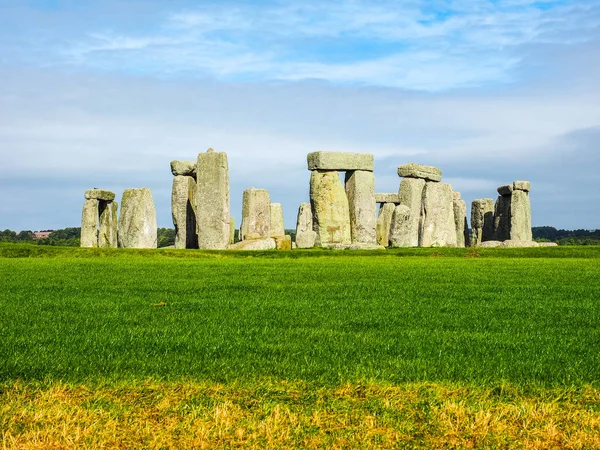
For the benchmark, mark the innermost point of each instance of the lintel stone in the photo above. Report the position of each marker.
(522, 186)
(340, 161)
(99, 194)
(187, 168)
(412, 170)
(506, 190)
(388, 198)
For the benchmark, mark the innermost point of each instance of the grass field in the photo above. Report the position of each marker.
(416, 347)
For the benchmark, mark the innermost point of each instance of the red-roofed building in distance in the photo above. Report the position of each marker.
(37, 235)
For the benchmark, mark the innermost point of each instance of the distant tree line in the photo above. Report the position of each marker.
(566, 237)
(66, 237)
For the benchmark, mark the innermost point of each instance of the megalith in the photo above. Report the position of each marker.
(460, 220)
(340, 161)
(184, 168)
(277, 224)
(360, 190)
(482, 221)
(212, 200)
(427, 173)
(107, 236)
(384, 223)
(437, 224)
(502, 214)
(183, 210)
(89, 224)
(411, 196)
(520, 212)
(400, 226)
(256, 214)
(305, 235)
(137, 221)
(329, 205)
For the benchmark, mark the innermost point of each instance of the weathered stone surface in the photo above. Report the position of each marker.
(520, 216)
(329, 205)
(482, 221)
(490, 244)
(107, 236)
(411, 195)
(231, 230)
(89, 224)
(437, 227)
(277, 224)
(283, 242)
(548, 244)
(502, 218)
(363, 246)
(336, 246)
(460, 221)
(100, 194)
(505, 190)
(522, 186)
(137, 221)
(388, 198)
(186, 168)
(400, 227)
(304, 221)
(511, 243)
(360, 191)
(256, 214)
(306, 239)
(340, 161)
(384, 223)
(254, 244)
(428, 173)
(183, 211)
(212, 200)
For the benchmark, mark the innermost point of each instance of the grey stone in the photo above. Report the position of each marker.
(490, 244)
(212, 200)
(482, 221)
(384, 223)
(100, 194)
(277, 223)
(107, 236)
(360, 191)
(388, 198)
(137, 221)
(548, 244)
(400, 227)
(254, 244)
(185, 168)
(412, 170)
(522, 186)
(411, 195)
(306, 239)
(437, 227)
(460, 221)
(183, 211)
(329, 205)
(511, 243)
(256, 214)
(505, 190)
(502, 218)
(89, 224)
(304, 221)
(340, 161)
(520, 216)
(363, 246)
(336, 246)
(231, 230)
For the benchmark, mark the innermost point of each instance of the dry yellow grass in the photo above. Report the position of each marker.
(269, 414)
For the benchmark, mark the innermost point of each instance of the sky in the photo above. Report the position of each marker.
(106, 93)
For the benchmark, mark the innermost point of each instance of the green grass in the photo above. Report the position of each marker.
(524, 316)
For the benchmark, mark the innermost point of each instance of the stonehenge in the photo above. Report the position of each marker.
(512, 213)
(99, 219)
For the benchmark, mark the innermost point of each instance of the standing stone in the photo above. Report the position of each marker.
(400, 227)
(411, 195)
(502, 217)
(360, 190)
(329, 204)
(256, 214)
(107, 237)
(183, 209)
(305, 236)
(520, 215)
(437, 228)
(277, 224)
(231, 230)
(482, 221)
(137, 221)
(212, 200)
(283, 242)
(384, 223)
(460, 220)
(89, 224)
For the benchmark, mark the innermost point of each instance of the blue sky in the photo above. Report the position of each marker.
(107, 93)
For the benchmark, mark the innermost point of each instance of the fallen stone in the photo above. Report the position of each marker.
(437, 228)
(388, 198)
(412, 170)
(107, 236)
(277, 224)
(548, 244)
(283, 242)
(362, 246)
(256, 214)
(329, 204)
(89, 224)
(520, 216)
(336, 246)
(360, 191)
(522, 186)
(212, 200)
(482, 221)
(183, 211)
(518, 244)
(400, 227)
(340, 161)
(490, 244)
(384, 223)
(185, 168)
(100, 194)
(137, 221)
(460, 221)
(254, 244)
(411, 195)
